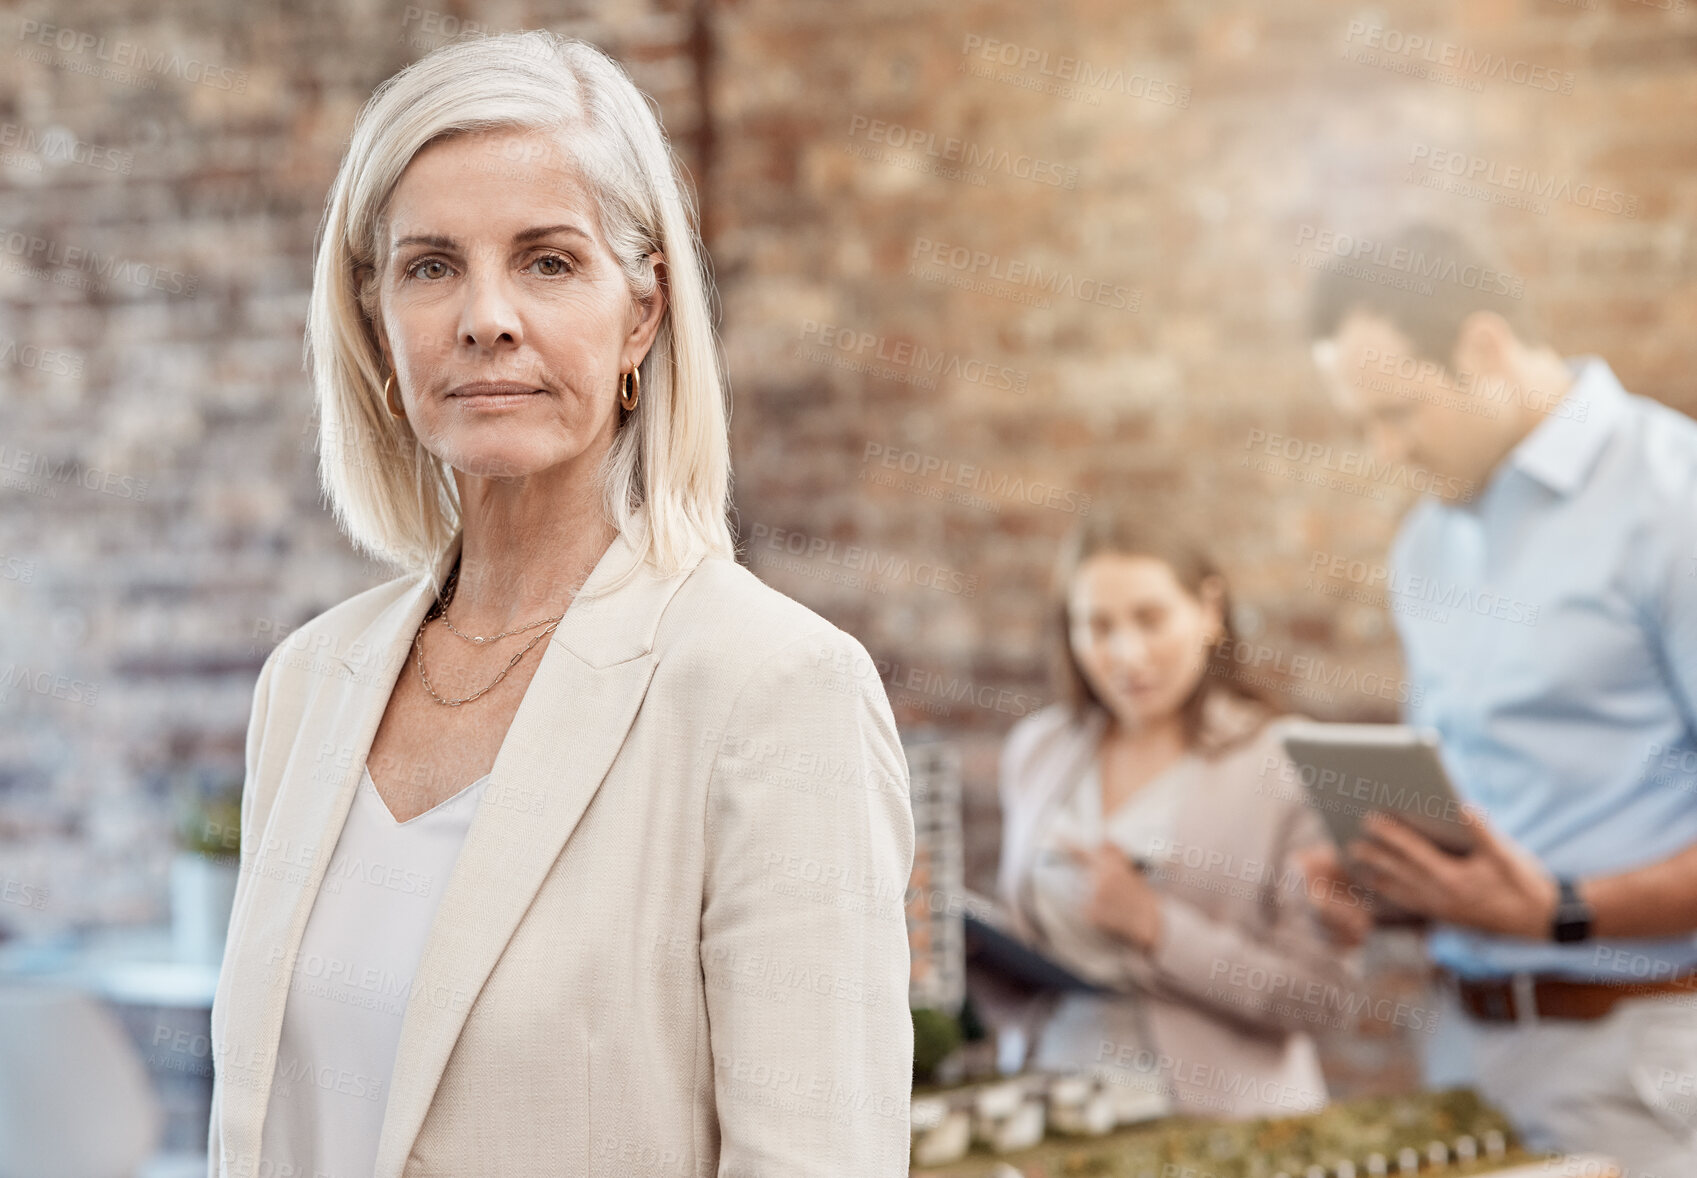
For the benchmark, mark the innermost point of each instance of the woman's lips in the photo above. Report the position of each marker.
(493, 394)
(492, 388)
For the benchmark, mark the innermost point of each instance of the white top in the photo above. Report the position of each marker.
(351, 981)
(1141, 826)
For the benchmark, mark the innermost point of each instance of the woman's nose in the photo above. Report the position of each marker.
(490, 316)
(1126, 649)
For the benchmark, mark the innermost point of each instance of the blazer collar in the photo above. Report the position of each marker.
(597, 663)
(1076, 745)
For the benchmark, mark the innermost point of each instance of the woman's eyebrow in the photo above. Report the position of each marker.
(541, 231)
(433, 240)
(523, 237)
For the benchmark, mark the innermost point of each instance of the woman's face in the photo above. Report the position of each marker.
(503, 313)
(1141, 640)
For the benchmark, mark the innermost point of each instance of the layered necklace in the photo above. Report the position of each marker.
(440, 611)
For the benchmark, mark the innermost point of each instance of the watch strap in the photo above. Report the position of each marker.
(1572, 921)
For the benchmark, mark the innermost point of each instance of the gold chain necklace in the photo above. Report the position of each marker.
(440, 609)
(448, 589)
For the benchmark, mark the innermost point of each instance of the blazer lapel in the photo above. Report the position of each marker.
(568, 728)
(320, 779)
(597, 664)
(1070, 762)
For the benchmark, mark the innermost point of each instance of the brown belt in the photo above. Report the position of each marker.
(1497, 1000)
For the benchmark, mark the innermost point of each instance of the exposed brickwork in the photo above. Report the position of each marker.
(1078, 274)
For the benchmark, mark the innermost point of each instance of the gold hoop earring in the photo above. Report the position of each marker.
(631, 390)
(389, 397)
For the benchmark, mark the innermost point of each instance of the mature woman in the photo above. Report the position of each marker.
(537, 877)
(1147, 835)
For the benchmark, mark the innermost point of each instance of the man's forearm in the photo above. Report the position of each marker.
(1659, 900)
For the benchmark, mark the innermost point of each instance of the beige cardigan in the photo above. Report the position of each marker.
(1242, 970)
(674, 942)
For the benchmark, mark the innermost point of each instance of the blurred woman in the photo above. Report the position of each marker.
(1147, 836)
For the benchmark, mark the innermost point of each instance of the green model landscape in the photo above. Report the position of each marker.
(1347, 1131)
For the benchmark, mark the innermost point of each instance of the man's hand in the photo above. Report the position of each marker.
(1122, 902)
(1496, 888)
(1343, 907)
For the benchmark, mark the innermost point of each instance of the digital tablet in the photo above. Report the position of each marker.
(1349, 771)
(992, 944)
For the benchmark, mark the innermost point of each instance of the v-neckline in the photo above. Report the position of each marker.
(448, 801)
(1161, 778)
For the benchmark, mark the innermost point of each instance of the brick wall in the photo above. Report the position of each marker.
(1064, 246)
(891, 195)
(1185, 168)
(160, 521)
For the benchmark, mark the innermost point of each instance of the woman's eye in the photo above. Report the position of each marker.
(552, 265)
(418, 269)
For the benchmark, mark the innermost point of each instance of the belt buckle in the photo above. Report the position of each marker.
(1525, 990)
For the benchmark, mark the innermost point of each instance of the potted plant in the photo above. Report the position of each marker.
(204, 868)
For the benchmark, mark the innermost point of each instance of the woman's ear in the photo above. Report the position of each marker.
(1211, 593)
(383, 350)
(649, 312)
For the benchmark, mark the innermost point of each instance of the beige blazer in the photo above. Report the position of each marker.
(1243, 969)
(674, 942)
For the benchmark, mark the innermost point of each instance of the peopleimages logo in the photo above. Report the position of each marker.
(979, 270)
(61, 147)
(909, 362)
(1466, 62)
(1324, 456)
(1249, 661)
(1463, 173)
(1407, 594)
(130, 55)
(1113, 79)
(40, 253)
(1415, 263)
(977, 478)
(964, 152)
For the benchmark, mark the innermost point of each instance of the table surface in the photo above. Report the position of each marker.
(132, 965)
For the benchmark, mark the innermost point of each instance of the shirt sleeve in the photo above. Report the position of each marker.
(809, 847)
(1673, 597)
(1290, 975)
(249, 841)
(1399, 560)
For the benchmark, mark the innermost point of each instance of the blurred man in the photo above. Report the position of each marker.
(1545, 592)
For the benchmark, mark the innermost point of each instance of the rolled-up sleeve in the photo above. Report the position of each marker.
(809, 846)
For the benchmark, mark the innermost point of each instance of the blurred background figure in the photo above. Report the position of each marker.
(1560, 529)
(1129, 802)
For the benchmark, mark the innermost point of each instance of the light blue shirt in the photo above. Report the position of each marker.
(1550, 627)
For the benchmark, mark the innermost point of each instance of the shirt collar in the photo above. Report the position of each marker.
(1561, 449)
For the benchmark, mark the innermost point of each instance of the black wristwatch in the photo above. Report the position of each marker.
(1572, 921)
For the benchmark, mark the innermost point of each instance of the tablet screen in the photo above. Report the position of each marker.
(1349, 771)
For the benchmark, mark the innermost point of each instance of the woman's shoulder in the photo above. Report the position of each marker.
(1234, 724)
(1040, 736)
(334, 632)
(1254, 759)
(1044, 724)
(728, 621)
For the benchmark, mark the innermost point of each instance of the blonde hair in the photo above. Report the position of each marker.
(667, 476)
